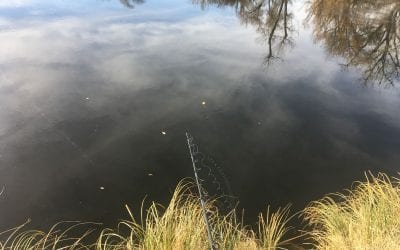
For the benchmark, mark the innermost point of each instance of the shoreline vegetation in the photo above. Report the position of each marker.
(365, 217)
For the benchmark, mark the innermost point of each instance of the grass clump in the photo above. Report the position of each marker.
(178, 226)
(367, 217)
(181, 226)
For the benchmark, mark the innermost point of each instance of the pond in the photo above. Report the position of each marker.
(291, 99)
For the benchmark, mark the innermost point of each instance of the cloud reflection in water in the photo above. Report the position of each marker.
(84, 101)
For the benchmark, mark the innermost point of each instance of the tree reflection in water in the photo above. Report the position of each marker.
(131, 3)
(365, 33)
(270, 17)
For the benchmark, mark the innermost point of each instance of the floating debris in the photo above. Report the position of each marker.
(101, 188)
(163, 132)
(203, 103)
(150, 174)
(87, 98)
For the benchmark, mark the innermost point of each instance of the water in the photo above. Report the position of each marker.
(292, 101)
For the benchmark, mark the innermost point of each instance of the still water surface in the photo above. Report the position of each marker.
(292, 100)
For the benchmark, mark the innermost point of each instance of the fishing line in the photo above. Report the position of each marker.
(208, 175)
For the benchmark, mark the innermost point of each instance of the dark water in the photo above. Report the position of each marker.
(292, 100)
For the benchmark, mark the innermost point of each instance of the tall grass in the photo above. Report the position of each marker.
(178, 226)
(367, 217)
(181, 226)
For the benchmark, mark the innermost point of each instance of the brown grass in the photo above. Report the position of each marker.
(367, 217)
(178, 226)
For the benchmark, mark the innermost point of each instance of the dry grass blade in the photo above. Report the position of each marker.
(272, 227)
(54, 239)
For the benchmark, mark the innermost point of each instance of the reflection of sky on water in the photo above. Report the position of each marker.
(86, 88)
